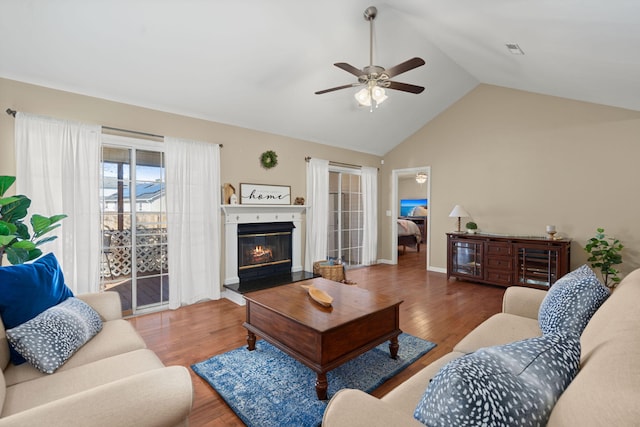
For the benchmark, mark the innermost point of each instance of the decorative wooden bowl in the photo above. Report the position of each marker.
(319, 296)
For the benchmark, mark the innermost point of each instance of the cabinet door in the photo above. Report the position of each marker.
(538, 266)
(466, 258)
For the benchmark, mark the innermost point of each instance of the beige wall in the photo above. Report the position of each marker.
(408, 188)
(518, 161)
(240, 156)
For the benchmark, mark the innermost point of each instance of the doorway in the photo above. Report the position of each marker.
(405, 186)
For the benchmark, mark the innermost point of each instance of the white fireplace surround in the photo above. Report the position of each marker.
(248, 214)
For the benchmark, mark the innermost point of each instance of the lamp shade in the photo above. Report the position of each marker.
(363, 98)
(458, 212)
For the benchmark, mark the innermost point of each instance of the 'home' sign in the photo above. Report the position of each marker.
(256, 194)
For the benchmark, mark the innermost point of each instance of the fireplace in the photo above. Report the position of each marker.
(264, 249)
(245, 220)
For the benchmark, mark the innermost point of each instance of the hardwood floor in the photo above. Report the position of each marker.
(434, 309)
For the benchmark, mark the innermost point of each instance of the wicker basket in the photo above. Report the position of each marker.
(331, 272)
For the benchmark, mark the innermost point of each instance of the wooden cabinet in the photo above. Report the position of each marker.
(507, 260)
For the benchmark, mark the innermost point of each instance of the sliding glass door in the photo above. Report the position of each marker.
(134, 227)
(345, 226)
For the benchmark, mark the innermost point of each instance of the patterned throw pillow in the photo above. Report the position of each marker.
(571, 302)
(49, 339)
(510, 385)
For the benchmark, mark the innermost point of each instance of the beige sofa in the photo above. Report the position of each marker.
(113, 380)
(606, 391)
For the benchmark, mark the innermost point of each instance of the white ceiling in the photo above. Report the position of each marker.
(257, 63)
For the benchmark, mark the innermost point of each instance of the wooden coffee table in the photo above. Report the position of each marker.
(323, 338)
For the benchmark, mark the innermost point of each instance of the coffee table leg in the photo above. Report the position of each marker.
(251, 341)
(393, 347)
(321, 386)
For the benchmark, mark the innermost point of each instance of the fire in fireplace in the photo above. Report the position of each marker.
(264, 249)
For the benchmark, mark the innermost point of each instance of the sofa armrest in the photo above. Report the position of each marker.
(523, 301)
(355, 408)
(107, 304)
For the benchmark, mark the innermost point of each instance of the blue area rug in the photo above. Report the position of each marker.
(266, 387)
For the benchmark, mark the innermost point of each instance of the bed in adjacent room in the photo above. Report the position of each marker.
(408, 234)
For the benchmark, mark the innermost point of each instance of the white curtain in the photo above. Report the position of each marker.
(317, 216)
(193, 220)
(58, 168)
(369, 180)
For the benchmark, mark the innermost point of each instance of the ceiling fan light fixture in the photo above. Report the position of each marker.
(363, 98)
(378, 94)
(421, 177)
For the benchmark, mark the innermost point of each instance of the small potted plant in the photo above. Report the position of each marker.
(604, 253)
(472, 227)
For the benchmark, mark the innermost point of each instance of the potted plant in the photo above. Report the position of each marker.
(604, 253)
(16, 242)
(471, 227)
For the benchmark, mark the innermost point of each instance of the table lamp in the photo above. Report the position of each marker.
(459, 212)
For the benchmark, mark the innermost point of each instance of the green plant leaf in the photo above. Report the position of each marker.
(45, 240)
(7, 200)
(6, 240)
(57, 218)
(22, 231)
(24, 244)
(5, 183)
(45, 231)
(17, 255)
(17, 210)
(39, 222)
(5, 228)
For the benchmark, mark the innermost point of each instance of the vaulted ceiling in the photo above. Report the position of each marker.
(257, 63)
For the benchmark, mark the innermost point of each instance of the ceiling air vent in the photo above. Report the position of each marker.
(514, 49)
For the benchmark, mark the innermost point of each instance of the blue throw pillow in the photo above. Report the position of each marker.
(571, 302)
(510, 385)
(50, 338)
(27, 290)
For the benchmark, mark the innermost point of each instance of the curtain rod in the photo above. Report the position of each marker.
(152, 135)
(332, 163)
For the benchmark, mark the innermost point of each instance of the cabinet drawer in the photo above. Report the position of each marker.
(499, 277)
(500, 263)
(499, 248)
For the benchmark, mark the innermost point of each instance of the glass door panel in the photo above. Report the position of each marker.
(134, 227)
(345, 217)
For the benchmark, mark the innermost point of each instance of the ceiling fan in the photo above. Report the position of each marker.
(375, 78)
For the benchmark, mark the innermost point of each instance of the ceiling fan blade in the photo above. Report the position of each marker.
(320, 92)
(405, 87)
(349, 68)
(405, 66)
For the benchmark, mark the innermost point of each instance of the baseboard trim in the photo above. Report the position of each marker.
(234, 297)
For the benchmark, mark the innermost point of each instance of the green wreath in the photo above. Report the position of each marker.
(269, 159)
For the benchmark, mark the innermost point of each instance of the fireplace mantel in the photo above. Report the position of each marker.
(243, 214)
(247, 214)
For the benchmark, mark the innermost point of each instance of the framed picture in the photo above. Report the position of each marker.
(258, 194)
